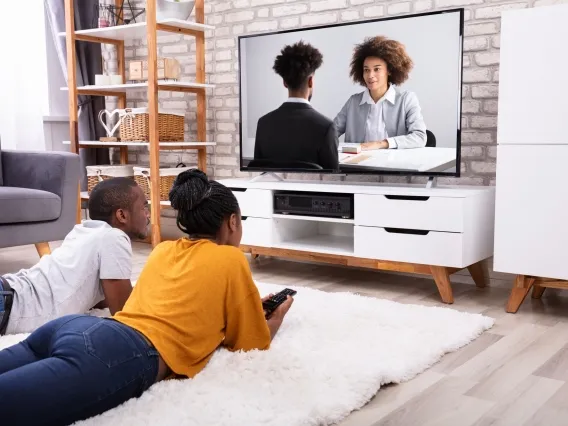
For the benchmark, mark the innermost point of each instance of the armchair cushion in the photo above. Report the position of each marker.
(21, 205)
(45, 171)
(0, 161)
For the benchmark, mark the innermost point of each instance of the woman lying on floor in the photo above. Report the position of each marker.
(193, 295)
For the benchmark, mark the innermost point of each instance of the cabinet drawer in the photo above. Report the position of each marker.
(427, 213)
(428, 248)
(254, 202)
(257, 232)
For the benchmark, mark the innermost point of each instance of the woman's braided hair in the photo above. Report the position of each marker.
(202, 204)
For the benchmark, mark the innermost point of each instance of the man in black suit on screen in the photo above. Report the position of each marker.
(296, 131)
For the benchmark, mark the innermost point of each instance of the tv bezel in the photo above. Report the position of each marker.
(457, 172)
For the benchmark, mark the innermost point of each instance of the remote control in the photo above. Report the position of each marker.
(271, 304)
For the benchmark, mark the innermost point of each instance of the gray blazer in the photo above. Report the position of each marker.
(403, 120)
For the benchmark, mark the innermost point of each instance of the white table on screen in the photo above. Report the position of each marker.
(415, 159)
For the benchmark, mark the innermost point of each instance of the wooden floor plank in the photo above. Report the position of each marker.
(522, 402)
(520, 363)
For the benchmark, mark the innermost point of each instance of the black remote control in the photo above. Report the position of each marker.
(271, 304)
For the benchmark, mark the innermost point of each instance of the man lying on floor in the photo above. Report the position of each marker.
(193, 295)
(91, 268)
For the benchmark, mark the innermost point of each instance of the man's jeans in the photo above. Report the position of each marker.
(73, 368)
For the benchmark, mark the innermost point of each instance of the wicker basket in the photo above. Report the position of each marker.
(167, 179)
(135, 125)
(96, 174)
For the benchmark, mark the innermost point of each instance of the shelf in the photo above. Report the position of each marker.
(138, 30)
(113, 90)
(163, 204)
(164, 145)
(330, 244)
(313, 218)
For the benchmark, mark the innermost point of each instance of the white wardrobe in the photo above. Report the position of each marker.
(531, 223)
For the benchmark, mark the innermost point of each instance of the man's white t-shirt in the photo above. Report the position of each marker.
(68, 281)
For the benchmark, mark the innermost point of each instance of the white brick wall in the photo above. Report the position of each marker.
(233, 18)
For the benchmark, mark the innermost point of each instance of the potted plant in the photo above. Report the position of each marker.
(176, 9)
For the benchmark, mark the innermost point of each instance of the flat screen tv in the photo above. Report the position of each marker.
(414, 128)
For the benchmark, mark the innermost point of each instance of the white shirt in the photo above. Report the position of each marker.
(375, 129)
(68, 281)
(298, 100)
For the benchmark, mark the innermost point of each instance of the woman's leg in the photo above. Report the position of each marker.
(33, 349)
(94, 365)
(16, 356)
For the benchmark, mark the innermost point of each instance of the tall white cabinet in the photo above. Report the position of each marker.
(531, 223)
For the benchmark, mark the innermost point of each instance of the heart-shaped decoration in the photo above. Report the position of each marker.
(109, 115)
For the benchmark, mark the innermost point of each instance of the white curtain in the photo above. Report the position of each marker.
(23, 74)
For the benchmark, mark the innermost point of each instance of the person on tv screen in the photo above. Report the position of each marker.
(381, 117)
(296, 134)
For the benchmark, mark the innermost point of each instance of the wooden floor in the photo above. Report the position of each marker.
(515, 374)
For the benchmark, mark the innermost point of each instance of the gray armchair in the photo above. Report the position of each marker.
(38, 197)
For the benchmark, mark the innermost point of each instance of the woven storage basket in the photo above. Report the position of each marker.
(167, 179)
(96, 174)
(135, 125)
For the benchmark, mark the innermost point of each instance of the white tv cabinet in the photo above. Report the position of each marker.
(436, 231)
(532, 205)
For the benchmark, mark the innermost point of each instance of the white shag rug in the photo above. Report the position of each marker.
(330, 357)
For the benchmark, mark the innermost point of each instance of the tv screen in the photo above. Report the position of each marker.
(379, 96)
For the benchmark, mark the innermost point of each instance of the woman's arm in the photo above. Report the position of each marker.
(277, 317)
(246, 326)
(340, 120)
(416, 128)
(275, 320)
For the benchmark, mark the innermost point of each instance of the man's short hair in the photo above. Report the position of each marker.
(296, 63)
(110, 195)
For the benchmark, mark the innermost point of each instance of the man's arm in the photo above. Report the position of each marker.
(328, 156)
(116, 294)
(116, 269)
(258, 140)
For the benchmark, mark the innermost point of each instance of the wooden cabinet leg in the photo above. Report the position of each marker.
(537, 292)
(521, 288)
(42, 249)
(442, 277)
(479, 274)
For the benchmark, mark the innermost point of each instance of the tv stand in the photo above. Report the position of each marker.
(432, 182)
(260, 176)
(435, 231)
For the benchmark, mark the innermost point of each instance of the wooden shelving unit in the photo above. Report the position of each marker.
(117, 36)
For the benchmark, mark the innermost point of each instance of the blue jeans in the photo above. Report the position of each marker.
(73, 368)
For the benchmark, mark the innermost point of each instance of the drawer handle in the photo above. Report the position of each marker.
(407, 197)
(406, 231)
(238, 189)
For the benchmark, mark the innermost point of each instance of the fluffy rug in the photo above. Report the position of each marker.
(332, 354)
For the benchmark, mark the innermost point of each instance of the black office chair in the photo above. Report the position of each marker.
(283, 165)
(430, 139)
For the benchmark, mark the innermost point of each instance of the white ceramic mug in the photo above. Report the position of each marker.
(115, 79)
(102, 80)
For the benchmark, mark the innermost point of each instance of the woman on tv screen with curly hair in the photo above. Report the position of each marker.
(382, 116)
